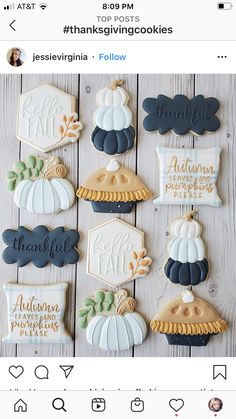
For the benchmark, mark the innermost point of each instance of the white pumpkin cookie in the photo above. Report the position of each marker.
(116, 253)
(111, 322)
(188, 320)
(40, 185)
(188, 176)
(35, 313)
(47, 119)
(187, 264)
(114, 133)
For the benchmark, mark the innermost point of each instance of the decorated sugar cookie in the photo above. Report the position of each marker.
(116, 253)
(114, 133)
(35, 313)
(40, 185)
(41, 246)
(188, 176)
(187, 264)
(114, 189)
(46, 118)
(181, 114)
(188, 320)
(111, 322)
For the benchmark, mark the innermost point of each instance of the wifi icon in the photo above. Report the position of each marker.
(43, 6)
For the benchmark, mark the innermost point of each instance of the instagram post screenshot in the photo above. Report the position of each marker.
(118, 209)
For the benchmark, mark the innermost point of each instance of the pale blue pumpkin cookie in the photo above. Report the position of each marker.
(111, 322)
(40, 186)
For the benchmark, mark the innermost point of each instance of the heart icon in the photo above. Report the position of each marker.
(16, 371)
(176, 404)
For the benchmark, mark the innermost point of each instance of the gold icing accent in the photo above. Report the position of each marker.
(70, 127)
(128, 305)
(93, 195)
(189, 216)
(219, 326)
(117, 83)
(56, 171)
(140, 264)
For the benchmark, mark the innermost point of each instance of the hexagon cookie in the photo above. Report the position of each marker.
(46, 118)
(116, 253)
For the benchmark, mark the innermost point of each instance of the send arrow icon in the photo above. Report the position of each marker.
(67, 369)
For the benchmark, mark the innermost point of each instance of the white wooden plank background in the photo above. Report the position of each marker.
(81, 159)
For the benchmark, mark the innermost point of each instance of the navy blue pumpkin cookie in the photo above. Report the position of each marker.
(181, 114)
(41, 246)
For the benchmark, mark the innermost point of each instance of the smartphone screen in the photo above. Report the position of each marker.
(117, 183)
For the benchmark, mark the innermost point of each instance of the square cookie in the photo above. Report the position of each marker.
(36, 313)
(188, 176)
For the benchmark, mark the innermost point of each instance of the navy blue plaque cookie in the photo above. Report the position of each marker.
(41, 246)
(181, 114)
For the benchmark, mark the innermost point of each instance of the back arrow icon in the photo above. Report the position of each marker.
(12, 24)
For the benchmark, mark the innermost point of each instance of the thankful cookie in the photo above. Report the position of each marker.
(188, 176)
(188, 320)
(41, 246)
(114, 133)
(181, 114)
(46, 118)
(40, 185)
(111, 322)
(114, 189)
(116, 253)
(187, 264)
(35, 313)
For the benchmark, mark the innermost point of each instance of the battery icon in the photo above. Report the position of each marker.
(225, 5)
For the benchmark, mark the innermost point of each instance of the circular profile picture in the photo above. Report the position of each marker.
(16, 57)
(215, 405)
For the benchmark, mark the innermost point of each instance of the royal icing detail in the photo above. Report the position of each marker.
(35, 313)
(114, 133)
(187, 263)
(188, 320)
(116, 253)
(41, 246)
(188, 296)
(188, 176)
(111, 322)
(39, 185)
(113, 166)
(181, 114)
(46, 118)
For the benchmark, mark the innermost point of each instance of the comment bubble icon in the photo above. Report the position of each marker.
(41, 372)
